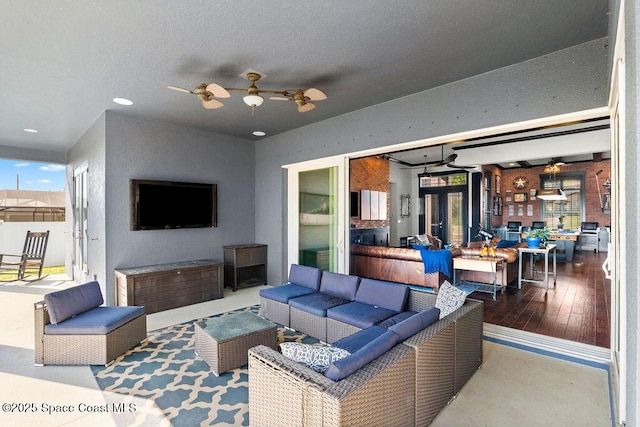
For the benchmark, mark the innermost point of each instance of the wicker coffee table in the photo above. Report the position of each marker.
(223, 342)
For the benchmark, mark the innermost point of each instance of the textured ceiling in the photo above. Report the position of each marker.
(64, 61)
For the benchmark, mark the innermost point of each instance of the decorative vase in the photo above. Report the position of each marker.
(533, 242)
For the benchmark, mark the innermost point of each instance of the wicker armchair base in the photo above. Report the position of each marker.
(84, 349)
(275, 311)
(282, 392)
(308, 323)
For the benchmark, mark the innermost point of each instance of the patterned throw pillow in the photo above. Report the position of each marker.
(316, 357)
(449, 299)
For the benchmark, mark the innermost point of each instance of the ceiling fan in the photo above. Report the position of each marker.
(554, 166)
(210, 94)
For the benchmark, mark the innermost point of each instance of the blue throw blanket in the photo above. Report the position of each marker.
(440, 260)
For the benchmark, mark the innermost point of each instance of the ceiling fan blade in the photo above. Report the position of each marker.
(452, 166)
(306, 107)
(179, 89)
(212, 104)
(218, 91)
(279, 98)
(315, 94)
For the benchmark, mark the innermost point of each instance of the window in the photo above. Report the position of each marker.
(571, 209)
(452, 180)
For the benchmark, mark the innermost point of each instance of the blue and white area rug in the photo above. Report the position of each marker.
(163, 382)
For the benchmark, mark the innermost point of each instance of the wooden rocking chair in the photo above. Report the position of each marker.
(32, 258)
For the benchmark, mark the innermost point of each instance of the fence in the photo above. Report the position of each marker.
(12, 236)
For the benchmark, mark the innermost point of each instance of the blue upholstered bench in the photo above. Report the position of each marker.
(72, 327)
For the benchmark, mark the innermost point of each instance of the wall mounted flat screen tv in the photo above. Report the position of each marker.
(161, 205)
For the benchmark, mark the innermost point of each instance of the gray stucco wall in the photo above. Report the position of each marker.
(566, 81)
(145, 149)
(119, 148)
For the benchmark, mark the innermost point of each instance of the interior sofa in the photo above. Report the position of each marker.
(508, 254)
(72, 327)
(400, 265)
(405, 362)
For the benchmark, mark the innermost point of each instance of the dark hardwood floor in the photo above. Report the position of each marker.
(577, 309)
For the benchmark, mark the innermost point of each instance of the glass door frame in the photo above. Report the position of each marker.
(442, 193)
(80, 223)
(342, 208)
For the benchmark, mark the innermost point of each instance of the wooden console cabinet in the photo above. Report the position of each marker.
(167, 286)
(245, 265)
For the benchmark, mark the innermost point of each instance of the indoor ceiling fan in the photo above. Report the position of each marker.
(211, 93)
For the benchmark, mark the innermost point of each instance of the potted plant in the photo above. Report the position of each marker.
(560, 224)
(536, 236)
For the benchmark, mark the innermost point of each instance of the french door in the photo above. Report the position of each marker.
(80, 224)
(318, 213)
(443, 214)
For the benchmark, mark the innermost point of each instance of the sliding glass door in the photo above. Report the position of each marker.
(317, 214)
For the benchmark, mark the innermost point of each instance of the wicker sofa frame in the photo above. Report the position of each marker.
(407, 386)
(84, 349)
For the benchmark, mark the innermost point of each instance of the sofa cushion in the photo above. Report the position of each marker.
(316, 357)
(359, 314)
(316, 303)
(379, 293)
(416, 323)
(306, 276)
(285, 292)
(449, 299)
(356, 341)
(339, 285)
(387, 323)
(344, 367)
(99, 321)
(66, 303)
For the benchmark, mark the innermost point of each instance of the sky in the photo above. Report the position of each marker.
(31, 175)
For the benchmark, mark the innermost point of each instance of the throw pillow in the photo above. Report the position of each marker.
(507, 243)
(316, 357)
(449, 299)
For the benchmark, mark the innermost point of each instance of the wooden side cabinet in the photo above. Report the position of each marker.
(166, 286)
(245, 265)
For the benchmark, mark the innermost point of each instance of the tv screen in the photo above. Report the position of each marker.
(160, 205)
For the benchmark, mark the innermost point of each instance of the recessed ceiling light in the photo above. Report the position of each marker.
(30, 130)
(259, 133)
(122, 101)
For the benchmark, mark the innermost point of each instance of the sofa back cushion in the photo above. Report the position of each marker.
(67, 303)
(391, 296)
(339, 285)
(302, 275)
(344, 367)
(415, 323)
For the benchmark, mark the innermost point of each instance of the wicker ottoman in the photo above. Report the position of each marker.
(223, 342)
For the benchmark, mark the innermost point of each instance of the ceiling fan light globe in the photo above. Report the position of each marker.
(253, 100)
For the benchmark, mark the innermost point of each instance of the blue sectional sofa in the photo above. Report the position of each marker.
(402, 360)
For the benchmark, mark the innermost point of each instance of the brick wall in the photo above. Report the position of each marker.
(593, 212)
(370, 173)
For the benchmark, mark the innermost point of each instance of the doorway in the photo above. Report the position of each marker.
(444, 207)
(80, 224)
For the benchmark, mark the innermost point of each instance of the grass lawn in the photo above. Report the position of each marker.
(6, 275)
